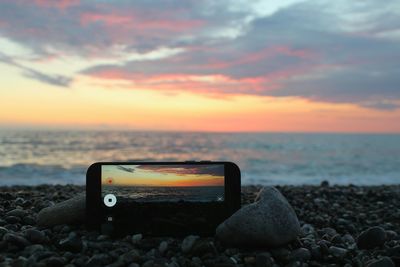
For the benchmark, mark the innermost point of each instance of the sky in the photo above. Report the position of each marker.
(156, 175)
(241, 66)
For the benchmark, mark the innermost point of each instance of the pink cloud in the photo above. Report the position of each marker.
(61, 4)
(109, 19)
(263, 54)
(139, 22)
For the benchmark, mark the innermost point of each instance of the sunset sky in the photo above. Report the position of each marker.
(153, 175)
(292, 66)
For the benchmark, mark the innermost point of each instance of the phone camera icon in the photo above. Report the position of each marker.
(110, 200)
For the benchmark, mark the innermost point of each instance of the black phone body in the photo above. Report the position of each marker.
(161, 198)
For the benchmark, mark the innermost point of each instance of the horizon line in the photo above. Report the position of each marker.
(129, 129)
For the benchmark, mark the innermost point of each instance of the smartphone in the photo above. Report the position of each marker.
(161, 198)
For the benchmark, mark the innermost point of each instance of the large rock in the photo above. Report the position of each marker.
(269, 222)
(67, 212)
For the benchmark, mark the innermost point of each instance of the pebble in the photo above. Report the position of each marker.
(382, 262)
(16, 240)
(12, 219)
(162, 248)
(55, 261)
(203, 247)
(188, 243)
(300, 254)
(327, 231)
(17, 213)
(72, 243)
(3, 231)
(98, 260)
(35, 236)
(324, 183)
(338, 252)
(136, 238)
(264, 259)
(131, 256)
(371, 238)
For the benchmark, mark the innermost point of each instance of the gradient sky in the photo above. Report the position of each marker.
(302, 66)
(153, 175)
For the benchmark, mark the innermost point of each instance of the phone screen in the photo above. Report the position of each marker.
(162, 183)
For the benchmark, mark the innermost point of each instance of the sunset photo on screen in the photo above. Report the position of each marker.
(198, 183)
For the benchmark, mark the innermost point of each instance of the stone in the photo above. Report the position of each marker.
(307, 229)
(13, 219)
(188, 243)
(35, 236)
(324, 183)
(67, 212)
(202, 247)
(382, 262)
(163, 247)
(300, 254)
(17, 213)
(270, 221)
(98, 260)
(338, 252)
(55, 261)
(136, 238)
(264, 260)
(371, 238)
(72, 243)
(16, 240)
(3, 231)
(130, 256)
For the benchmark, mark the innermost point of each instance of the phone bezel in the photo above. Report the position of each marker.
(95, 210)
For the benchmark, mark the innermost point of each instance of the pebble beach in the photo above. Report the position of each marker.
(341, 226)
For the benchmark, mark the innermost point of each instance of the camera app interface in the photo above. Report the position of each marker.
(162, 183)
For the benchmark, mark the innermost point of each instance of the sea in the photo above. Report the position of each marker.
(166, 193)
(33, 157)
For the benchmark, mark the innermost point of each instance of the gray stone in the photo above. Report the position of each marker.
(3, 231)
(55, 261)
(337, 252)
(35, 236)
(188, 243)
(270, 221)
(371, 238)
(382, 262)
(307, 229)
(17, 213)
(72, 243)
(163, 247)
(130, 256)
(16, 240)
(136, 238)
(99, 260)
(66, 212)
(264, 260)
(300, 254)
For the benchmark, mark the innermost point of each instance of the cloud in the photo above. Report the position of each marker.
(209, 170)
(52, 79)
(126, 169)
(329, 51)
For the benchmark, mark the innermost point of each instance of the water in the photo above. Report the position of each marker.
(61, 157)
(166, 193)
